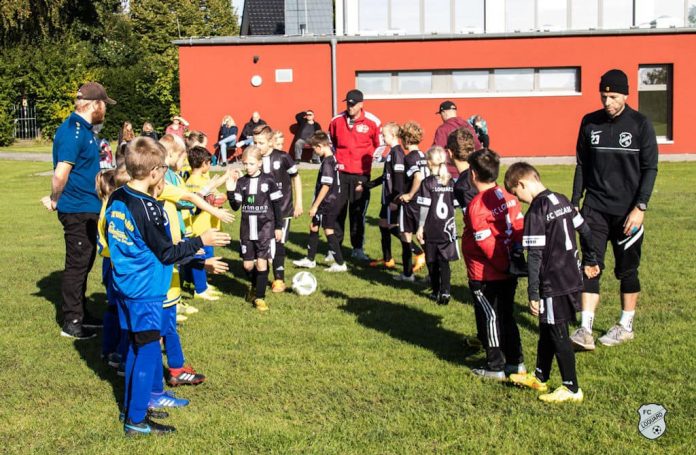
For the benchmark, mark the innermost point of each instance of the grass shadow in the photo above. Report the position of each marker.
(409, 324)
(49, 289)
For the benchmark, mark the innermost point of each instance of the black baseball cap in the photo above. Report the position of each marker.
(614, 81)
(446, 106)
(94, 91)
(354, 97)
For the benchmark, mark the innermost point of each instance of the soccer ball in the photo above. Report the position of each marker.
(304, 283)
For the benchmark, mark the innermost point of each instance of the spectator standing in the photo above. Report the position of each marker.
(306, 127)
(149, 131)
(74, 196)
(450, 122)
(178, 126)
(126, 134)
(355, 136)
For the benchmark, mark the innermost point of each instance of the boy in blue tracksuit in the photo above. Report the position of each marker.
(142, 257)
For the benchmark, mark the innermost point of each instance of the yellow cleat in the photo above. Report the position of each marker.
(528, 380)
(278, 286)
(418, 262)
(260, 305)
(390, 264)
(561, 395)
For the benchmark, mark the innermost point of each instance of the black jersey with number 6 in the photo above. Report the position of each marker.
(256, 196)
(283, 169)
(439, 224)
(550, 225)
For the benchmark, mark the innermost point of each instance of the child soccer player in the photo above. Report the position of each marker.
(460, 144)
(416, 171)
(324, 210)
(436, 226)
(200, 162)
(555, 278)
(493, 222)
(142, 255)
(282, 168)
(262, 224)
(392, 188)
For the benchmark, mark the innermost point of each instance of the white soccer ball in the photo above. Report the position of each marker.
(304, 283)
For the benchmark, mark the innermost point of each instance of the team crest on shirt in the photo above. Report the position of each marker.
(264, 187)
(362, 128)
(652, 422)
(451, 229)
(625, 139)
(276, 165)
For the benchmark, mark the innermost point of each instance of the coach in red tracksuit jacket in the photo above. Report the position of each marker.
(355, 136)
(493, 226)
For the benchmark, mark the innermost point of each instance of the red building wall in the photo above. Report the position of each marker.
(215, 81)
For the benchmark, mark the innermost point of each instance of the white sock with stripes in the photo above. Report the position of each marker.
(626, 320)
(587, 319)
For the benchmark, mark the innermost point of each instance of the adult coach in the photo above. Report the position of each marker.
(73, 195)
(616, 170)
(355, 136)
(450, 122)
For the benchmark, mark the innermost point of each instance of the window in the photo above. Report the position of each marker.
(437, 14)
(655, 97)
(660, 14)
(519, 15)
(552, 15)
(617, 14)
(405, 15)
(469, 16)
(373, 15)
(494, 82)
(691, 9)
(584, 14)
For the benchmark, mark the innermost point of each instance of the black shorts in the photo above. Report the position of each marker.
(325, 220)
(392, 216)
(257, 249)
(609, 228)
(559, 310)
(447, 251)
(408, 218)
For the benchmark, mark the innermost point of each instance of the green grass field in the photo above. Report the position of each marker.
(364, 365)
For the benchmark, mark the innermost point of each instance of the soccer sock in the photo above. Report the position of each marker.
(158, 377)
(445, 276)
(565, 356)
(251, 276)
(335, 247)
(312, 245)
(434, 272)
(545, 353)
(261, 283)
(416, 249)
(587, 319)
(407, 258)
(200, 277)
(140, 378)
(394, 230)
(110, 332)
(626, 320)
(386, 243)
(279, 262)
(123, 343)
(175, 354)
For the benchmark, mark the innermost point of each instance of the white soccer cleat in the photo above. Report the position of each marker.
(402, 277)
(329, 259)
(616, 335)
(305, 263)
(337, 268)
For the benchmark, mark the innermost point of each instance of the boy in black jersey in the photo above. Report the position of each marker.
(460, 143)
(262, 224)
(555, 277)
(392, 181)
(416, 171)
(436, 226)
(325, 208)
(284, 171)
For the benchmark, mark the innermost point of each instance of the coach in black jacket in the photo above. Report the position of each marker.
(616, 171)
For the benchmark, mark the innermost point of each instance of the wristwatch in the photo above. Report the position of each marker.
(642, 206)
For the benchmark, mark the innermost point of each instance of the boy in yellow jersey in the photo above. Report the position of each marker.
(175, 197)
(201, 183)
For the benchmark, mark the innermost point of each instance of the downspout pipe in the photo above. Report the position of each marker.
(334, 87)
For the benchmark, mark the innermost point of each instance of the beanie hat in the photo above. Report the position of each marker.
(614, 81)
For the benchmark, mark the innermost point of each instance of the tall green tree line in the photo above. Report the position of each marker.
(48, 48)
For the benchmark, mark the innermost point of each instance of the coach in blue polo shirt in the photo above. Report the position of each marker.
(73, 195)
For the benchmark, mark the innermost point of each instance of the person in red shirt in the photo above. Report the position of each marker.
(355, 136)
(493, 228)
(450, 122)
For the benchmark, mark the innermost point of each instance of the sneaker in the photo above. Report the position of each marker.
(278, 286)
(390, 264)
(166, 399)
(561, 395)
(181, 318)
(359, 254)
(184, 376)
(306, 263)
(260, 304)
(146, 427)
(114, 359)
(329, 258)
(515, 368)
(443, 299)
(418, 262)
(616, 335)
(250, 295)
(434, 297)
(402, 277)
(186, 308)
(214, 290)
(489, 374)
(76, 331)
(583, 340)
(91, 322)
(206, 295)
(528, 380)
(337, 268)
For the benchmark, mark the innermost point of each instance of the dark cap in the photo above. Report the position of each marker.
(94, 91)
(446, 106)
(614, 81)
(354, 97)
